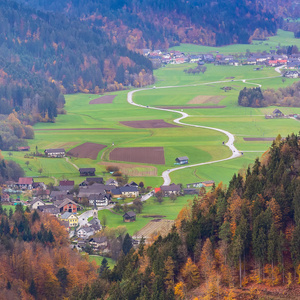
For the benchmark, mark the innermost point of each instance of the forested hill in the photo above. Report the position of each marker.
(157, 24)
(238, 242)
(43, 54)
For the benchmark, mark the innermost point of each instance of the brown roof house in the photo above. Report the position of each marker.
(168, 190)
(25, 183)
(130, 216)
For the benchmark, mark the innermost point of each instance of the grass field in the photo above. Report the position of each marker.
(98, 259)
(283, 38)
(167, 208)
(200, 145)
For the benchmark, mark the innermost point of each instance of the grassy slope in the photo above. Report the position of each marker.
(283, 38)
(167, 208)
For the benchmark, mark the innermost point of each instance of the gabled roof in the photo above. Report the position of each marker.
(55, 150)
(66, 215)
(94, 179)
(25, 180)
(170, 188)
(65, 202)
(277, 111)
(87, 229)
(67, 183)
(87, 170)
(182, 158)
(35, 201)
(130, 214)
(110, 181)
(99, 240)
(127, 189)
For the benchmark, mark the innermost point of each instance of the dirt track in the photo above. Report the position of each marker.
(191, 107)
(86, 150)
(103, 100)
(146, 155)
(62, 129)
(148, 124)
(258, 139)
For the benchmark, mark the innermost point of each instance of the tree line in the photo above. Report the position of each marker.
(255, 97)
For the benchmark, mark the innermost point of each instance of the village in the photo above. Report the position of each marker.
(77, 206)
(291, 62)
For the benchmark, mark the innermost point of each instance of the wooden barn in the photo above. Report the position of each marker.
(87, 171)
(182, 160)
(129, 216)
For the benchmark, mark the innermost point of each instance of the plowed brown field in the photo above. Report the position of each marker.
(148, 124)
(86, 150)
(103, 100)
(146, 155)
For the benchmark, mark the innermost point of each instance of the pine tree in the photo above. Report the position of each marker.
(127, 244)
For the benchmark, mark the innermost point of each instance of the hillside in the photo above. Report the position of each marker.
(240, 242)
(43, 55)
(160, 24)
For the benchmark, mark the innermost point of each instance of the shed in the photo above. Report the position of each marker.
(87, 171)
(129, 216)
(182, 160)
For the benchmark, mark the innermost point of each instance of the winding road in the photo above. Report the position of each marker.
(229, 144)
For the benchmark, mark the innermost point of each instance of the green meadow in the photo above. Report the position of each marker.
(98, 259)
(199, 144)
(283, 38)
(167, 208)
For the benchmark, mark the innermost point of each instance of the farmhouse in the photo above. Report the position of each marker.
(125, 191)
(99, 243)
(25, 183)
(49, 209)
(85, 232)
(55, 152)
(70, 218)
(168, 190)
(66, 205)
(129, 216)
(277, 113)
(36, 203)
(111, 181)
(101, 200)
(182, 160)
(5, 197)
(87, 171)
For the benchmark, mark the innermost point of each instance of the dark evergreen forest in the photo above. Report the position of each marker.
(159, 23)
(43, 55)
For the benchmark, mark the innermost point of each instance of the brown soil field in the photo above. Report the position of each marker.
(146, 155)
(133, 170)
(206, 99)
(155, 227)
(73, 129)
(258, 139)
(103, 100)
(86, 150)
(148, 124)
(191, 107)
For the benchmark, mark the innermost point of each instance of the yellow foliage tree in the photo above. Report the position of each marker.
(179, 290)
(190, 274)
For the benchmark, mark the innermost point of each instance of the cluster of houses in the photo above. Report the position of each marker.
(263, 59)
(279, 114)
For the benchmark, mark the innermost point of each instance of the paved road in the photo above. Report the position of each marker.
(230, 142)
